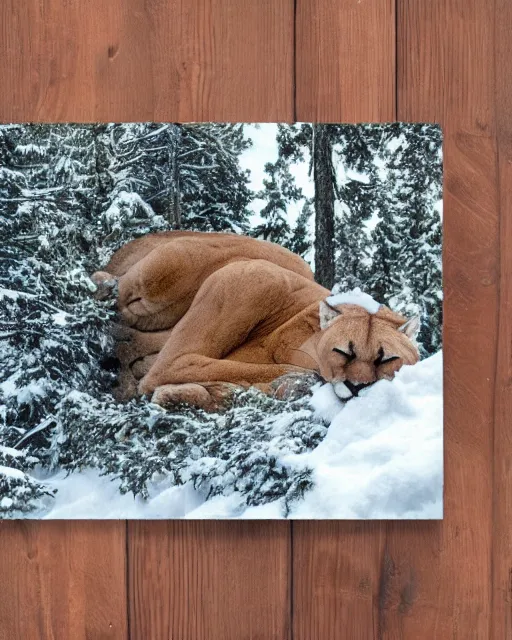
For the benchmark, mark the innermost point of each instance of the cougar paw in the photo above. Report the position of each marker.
(211, 397)
(293, 385)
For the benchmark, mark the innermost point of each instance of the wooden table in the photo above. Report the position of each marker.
(444, 61)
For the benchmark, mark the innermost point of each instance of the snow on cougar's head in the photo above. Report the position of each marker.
(356, 296)
(362, 341)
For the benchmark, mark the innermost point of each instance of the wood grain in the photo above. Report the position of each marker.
(134, 61)
(336, 588)
(345, 60)
(212, 580)
(73, 61)
(63, 580)
(502, 538)
(446, 74)
(346, 73)
(62, 60)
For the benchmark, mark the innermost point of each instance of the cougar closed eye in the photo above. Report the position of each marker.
(381, 359)
(349, 356)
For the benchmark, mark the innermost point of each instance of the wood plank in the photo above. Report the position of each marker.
(72, 61)
(63, 580)
(336, 569)
(441, 585)
(134, 61)
(233, 62)
(502, 539)
(345, 60)
(345, 73)
(195, 580)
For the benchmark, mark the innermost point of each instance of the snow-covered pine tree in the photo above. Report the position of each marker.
(274, 226)
(388, 231)
(314, 142)
(406, 262)
(46, 228)
(337, 155)
(278, 192)
(136, 168)
(300, 241)
(357, 200)
(214, 188)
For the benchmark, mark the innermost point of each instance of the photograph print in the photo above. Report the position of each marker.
(217, 320)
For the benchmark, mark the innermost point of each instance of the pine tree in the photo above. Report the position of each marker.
(357, 201)
(279, 191)
(406, 263)
(274, 227)
(214, 188)
(388, 233)
(300, 239)
(295, 146)
(376, 193)
(136, 167)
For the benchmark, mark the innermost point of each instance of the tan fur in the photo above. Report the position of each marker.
(159, 274)
(235, 313)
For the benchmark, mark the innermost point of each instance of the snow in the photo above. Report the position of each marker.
(60, 318)
(31, 391)
(11, 473)
(89, 495)
(439, 208)
(326, 402)
(382, 171)
(13, 295)
(9, 451)
(395, 143)
(363, 178)
(356, 296)
(28, 149)
(126, 203)
(383, 454)
(8, 386)
(372, 222)
(382, 457)
(45, 423)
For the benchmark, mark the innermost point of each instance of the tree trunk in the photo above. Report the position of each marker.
(175, 205)
(324, 206)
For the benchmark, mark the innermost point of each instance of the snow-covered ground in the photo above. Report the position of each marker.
(381, 458)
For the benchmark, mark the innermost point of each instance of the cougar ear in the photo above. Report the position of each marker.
(327, 313)
(411, 327)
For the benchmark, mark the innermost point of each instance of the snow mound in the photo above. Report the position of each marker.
(356, 296)
(383, 453)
